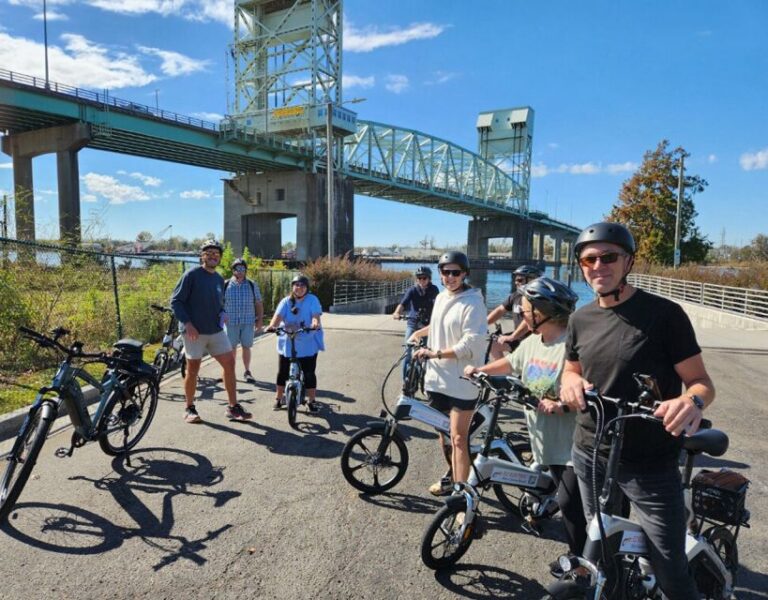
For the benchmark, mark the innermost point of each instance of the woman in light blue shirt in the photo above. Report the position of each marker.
(299, 309)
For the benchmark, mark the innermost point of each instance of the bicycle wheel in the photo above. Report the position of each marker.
(292, 404)
(19, 465)
(510, 501)
(724, 545)
(446, 539)
(370, 469)
(161, 363)
(134, 413)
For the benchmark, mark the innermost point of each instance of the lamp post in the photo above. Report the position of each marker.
(45, 41)
(680, 191)
(329, 159)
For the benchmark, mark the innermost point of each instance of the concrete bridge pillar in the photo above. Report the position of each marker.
(480, 230)
(540, 249)
(65, 141)
(256, 203)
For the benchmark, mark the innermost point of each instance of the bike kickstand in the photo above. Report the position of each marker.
(126, 452)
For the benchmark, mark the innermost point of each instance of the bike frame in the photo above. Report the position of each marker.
(624, 539)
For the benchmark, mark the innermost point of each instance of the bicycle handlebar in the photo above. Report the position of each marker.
(281, 330)
(522, 394)
(74, 351)
(164, 309)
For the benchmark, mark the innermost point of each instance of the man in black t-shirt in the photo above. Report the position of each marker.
(629, 331)
(512, 304)
(418, 301)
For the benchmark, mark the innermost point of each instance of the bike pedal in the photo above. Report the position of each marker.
(531, 526)
(63, 452)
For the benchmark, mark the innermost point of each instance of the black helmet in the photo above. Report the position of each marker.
(423, 272)
(238, 262)
(551, 297)
(300, 279)
(209, 244)
(528, 271)
(454, 258)
(614, 233)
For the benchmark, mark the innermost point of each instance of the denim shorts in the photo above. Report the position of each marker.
(214, 344)
(240, 334)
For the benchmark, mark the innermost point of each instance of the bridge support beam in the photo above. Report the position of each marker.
(65, 141)
(255, 203)
(480, 230)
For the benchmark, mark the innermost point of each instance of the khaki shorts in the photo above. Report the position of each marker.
(214, 344)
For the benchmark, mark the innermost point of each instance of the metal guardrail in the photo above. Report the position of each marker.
(742, 301)
(104, 99)
(347, 292)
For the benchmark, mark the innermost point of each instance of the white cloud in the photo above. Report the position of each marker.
(351, 81)
(51, 15)
(588, 168)
(147, 179)
(626, 167)
(553, 145)
(175, 64)
(440, 77)
(396, 83)
(89, 198)
(7, 165)
(712, 158)
(207, 116)
(756, 161)
(195, 194)
(191, 10)
(80, 62)
(370, 38)
(110, 188)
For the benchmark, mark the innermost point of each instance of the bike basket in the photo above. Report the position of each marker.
(720, 495)
(128, 349)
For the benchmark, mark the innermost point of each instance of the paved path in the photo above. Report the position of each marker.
(257, 510)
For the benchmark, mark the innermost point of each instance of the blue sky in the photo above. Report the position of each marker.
(607, 79)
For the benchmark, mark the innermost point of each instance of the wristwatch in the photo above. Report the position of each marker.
(439, 354)
(697, 401)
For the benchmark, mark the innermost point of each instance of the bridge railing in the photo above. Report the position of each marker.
(105, 99)
(742, 301)
(348, 292)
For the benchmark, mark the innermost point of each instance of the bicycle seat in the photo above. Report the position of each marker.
(129, 349)
(710, 441)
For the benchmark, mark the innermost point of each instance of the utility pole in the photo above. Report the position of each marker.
(5, 216)
(680, 191)
(329, 174)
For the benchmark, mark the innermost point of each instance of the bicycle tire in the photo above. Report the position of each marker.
(18, 469)
(160, 363)
(511, 503)
(724, 545)
(137, 411)
(358, 458)
(451, 542)
(292, 406)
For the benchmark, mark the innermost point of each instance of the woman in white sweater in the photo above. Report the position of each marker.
(457, 338)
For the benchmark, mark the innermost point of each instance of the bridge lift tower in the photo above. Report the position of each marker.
(287, 57)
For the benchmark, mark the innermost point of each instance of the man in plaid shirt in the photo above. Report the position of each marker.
(245, 312)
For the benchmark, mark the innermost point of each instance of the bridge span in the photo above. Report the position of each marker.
(274, 177)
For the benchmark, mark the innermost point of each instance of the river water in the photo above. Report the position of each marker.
(496, 285)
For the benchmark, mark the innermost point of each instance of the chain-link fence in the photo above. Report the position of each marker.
(99, 297)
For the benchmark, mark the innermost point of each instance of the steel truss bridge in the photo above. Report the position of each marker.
(384, 161)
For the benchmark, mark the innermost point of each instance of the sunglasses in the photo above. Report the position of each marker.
(239, 269)
(606, 259)
(299, 284)
(451, 272)
(422, 277)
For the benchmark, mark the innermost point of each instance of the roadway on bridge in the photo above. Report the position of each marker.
(257, 510)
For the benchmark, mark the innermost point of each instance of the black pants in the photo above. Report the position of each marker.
(308, 366)
(571, 508)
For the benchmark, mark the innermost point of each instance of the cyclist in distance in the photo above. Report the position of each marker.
(418, 300)
(245, 312)
(626, 331)
(299, 308)
(508, 343)
(546, 306)
(457, 334)
(198, 303)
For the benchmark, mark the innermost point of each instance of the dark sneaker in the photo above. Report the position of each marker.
(313, 407)
(237, 413)
(248, 377)
(191, 416)
(279, 404)
(444, 487)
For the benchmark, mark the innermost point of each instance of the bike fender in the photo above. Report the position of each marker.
(49, 409)
(377, 425)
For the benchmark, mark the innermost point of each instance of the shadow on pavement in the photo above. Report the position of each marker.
(749, 584)
(479, 581)
(172, 472)
(404, 502)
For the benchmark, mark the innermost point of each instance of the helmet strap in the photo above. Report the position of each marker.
(536, 324)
